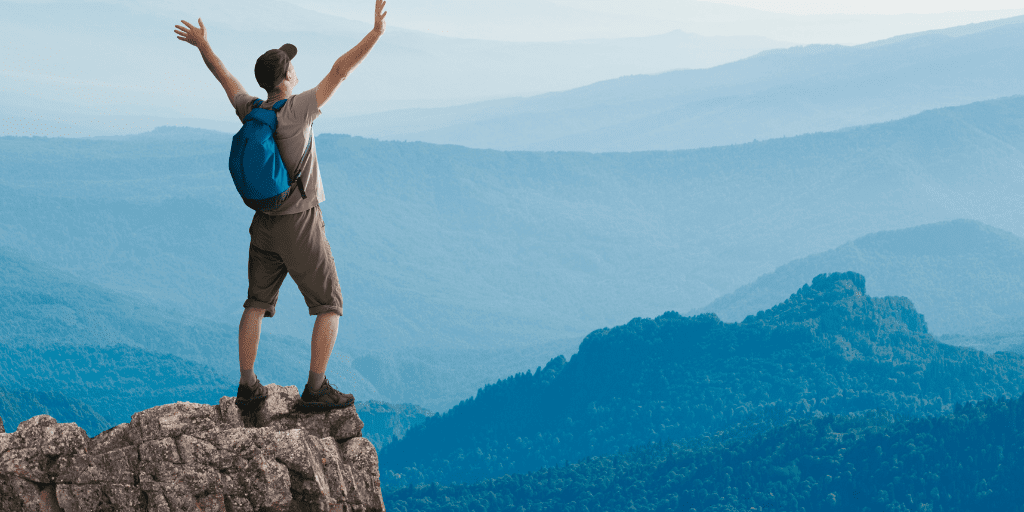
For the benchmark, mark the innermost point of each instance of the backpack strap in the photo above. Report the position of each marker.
(276, 106)
(298, 176)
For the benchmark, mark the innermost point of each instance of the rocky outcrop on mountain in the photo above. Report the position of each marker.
(195, 457)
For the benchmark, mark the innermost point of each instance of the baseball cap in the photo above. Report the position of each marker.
(272, 66)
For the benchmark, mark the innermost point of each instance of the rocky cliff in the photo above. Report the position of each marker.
(195, 457)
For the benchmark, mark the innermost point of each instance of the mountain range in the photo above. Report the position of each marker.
(777, 93)
(462, 266)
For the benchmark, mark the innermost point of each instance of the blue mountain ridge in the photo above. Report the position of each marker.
(966, 277)
(447, 254)
(129, 91)
(776, 93)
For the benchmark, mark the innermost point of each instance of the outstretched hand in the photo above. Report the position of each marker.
(192, 35)
(378, 17)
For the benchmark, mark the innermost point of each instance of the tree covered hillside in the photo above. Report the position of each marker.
(18, 404)
(969, 459)
(384, 423)
(828, 349)
(964, 276)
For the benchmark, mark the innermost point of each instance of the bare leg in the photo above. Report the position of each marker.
(325, 331)
(249, 337)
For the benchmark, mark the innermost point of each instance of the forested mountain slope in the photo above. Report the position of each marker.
(969, 459)
(18, 404)
(827, 349)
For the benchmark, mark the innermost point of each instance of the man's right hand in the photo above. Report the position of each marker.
(378, 17)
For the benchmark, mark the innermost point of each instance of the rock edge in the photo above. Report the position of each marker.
(195, 457)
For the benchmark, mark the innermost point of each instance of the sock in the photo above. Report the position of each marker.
(248, 377)
(315, 381)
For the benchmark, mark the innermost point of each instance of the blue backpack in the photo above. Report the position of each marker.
(255, 162)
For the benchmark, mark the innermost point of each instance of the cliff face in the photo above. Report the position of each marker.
(195, 457)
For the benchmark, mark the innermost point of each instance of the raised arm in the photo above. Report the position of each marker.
(197, 37)
(346, 63)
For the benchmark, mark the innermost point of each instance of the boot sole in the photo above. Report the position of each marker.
(320, 406)
(251, 404)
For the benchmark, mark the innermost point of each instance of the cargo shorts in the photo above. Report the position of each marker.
(296, 245)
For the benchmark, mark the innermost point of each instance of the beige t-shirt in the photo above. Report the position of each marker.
(294, 131)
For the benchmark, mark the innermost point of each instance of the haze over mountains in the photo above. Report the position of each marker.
(57, 88)
(773, 94)
(148, 78)
(963, 276)
(460, 266)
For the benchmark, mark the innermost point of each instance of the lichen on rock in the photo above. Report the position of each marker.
(195, 457)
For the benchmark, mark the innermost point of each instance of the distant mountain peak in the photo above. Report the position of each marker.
(836, 305)
(961, 274)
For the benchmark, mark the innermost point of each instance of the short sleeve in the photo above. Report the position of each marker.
(304, 109)
(243, 104)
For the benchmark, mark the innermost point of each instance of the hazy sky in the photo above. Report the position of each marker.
(867, 6)
(799, 21)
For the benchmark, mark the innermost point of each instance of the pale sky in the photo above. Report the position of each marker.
(871, 6)
(796, 21)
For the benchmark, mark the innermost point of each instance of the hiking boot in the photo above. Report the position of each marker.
(250, 398)
(324, 399)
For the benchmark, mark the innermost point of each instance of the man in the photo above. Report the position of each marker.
(290, 239)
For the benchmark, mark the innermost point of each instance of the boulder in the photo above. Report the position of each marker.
(195, 457)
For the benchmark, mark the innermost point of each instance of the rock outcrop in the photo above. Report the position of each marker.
(195, 457)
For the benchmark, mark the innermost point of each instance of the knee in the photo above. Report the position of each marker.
(257, 312)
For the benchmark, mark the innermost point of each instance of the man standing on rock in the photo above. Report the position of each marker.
(290, 239)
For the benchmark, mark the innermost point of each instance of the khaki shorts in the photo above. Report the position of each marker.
(296, 245)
